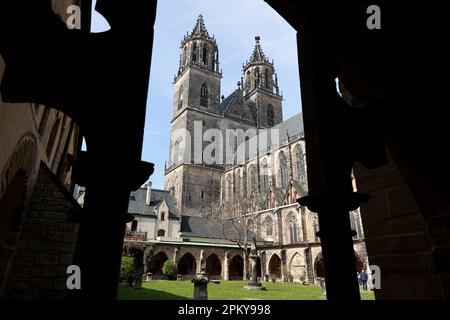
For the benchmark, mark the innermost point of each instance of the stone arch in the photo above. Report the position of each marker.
(187, 264)
(213, 265)
(157, 262)
(275, 266)
(14, 190)
(319, 266)
(236, 268)
(297, 267)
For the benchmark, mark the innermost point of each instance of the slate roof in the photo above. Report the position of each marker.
(291, 126)
(226, 102)
(202, 227)
(137, 204)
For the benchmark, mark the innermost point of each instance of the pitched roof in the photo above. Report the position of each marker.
(227, 101)
(137, 203)
(202, 227)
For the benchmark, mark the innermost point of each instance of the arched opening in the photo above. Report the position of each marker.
(270, 115)
(134, 225)
(284, 176)
(205, 55)
(275, 267)
(268, 224)
(236, 268)
(204, 95)
(161, 233)
(297, 267)
(157, 263)
(187, 265)
(11, 213)
(213, 265)
(320, 268)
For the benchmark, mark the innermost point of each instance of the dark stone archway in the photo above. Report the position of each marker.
(187, 265)
(157, 263)
(320, 268)
(275, 266)
(213, 265)
(236, 268)
(11, 212)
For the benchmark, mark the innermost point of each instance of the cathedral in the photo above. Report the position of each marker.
(232, 158)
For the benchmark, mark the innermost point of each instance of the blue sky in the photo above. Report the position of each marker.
(234, 23)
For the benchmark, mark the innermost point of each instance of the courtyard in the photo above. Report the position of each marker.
(225, 290)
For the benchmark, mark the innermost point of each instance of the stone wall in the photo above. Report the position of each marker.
(46, 243)
(396, 236)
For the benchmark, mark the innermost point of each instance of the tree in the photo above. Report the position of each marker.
(126, 268)
(239, 224)
(170, 269)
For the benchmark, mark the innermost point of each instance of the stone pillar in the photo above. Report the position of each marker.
(175, 255)
(201, 262)
(226, 271)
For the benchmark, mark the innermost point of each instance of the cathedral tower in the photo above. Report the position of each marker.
(196, 104)
(261, 88)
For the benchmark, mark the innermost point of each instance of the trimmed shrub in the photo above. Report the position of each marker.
(170, 269)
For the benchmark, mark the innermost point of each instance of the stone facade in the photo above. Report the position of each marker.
(256, 104)
(259, 185)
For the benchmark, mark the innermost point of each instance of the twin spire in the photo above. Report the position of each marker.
(200, 31)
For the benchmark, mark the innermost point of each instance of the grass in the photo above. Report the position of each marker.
(226, 290)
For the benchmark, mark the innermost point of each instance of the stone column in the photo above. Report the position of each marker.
(175, 255)
(226, 273)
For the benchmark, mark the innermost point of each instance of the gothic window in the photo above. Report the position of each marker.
(292, 221)
(161, 233)
(247, 81)
(163, 216)
(270, 115)
(284, 177)
(267, 78)
(184, 55)
(257, 77)
(253, 181)
(315, 228)
(269, 226)
(264, 176)
(194, 52)
(204, 95)
(301, 174)
(205, 55)
(134, 225)
(180, 98)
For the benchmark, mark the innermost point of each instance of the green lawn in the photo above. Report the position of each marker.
(226, 290)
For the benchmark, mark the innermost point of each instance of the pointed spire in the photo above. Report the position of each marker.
(258, 54)
(200, 29)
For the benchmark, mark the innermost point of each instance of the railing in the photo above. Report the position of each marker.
(135, 235)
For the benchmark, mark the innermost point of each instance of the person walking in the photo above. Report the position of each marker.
(363, 278)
